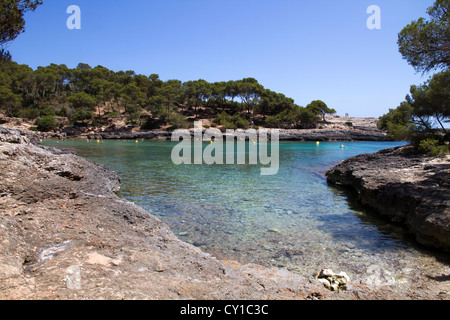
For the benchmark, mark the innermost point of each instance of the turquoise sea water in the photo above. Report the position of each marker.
(293, 219)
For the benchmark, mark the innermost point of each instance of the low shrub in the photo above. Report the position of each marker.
(47, 112)
(177, 121)
(29, 113)
(440, 151)
(427, 145)
(81, 116)
(46, 123)
(432, 147)
(150, 124)
(235, 121)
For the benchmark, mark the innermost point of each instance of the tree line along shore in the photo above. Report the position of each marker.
(56, 96)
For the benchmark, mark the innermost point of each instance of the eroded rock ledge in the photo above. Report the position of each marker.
(405, 187)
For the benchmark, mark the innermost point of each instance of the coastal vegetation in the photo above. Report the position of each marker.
(56, 95)
(422, 117)
(86, 95)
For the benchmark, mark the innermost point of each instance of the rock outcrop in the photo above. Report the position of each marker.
(333, 135)
(17, 136)
(405, 187)
(127, 135)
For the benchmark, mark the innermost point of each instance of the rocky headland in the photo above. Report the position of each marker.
(405, 187)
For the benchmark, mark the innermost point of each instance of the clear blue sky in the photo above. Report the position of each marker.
(306, 49)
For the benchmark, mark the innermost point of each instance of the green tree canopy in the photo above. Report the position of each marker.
(397, 122)
(430, 102)
(196, 93)
(424, 113)
(170, 92)
(82, 102)
(9, 102)
(133, 99)
(28, 92)
(46, 123)
(425, 44)
(320, 108)
(250, 92)
(421, 119)
(12, 22)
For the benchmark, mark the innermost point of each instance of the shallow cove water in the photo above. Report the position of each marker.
(293, 219)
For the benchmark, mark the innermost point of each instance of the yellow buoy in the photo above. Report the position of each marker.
(317, 142)
(137, 141)
(98, 141)
(342, 147)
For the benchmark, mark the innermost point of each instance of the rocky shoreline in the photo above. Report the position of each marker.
(405, 187)
(284, 135)
(335, 128)
(65, 234)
